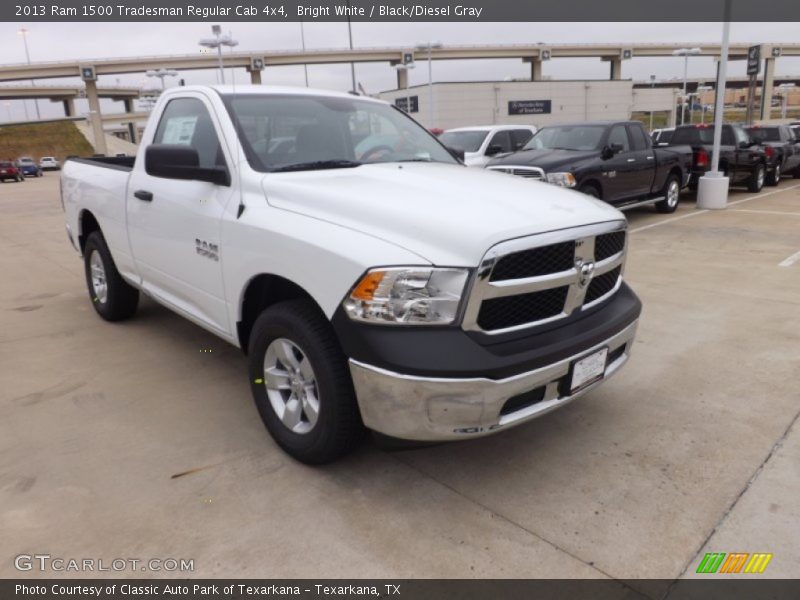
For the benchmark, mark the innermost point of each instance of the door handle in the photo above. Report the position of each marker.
(631, 160)
(144, 195)
(650, 157)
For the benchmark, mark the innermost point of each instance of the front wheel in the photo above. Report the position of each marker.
(672, 193)
(590, 190)
(756, 182)
(301, 383)
(112, 297)
(774, 178)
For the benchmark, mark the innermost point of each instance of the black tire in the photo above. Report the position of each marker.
(590, 189)
(671, 193)
(120, 300)
(756, 181)
(774, 178)
(338, 428)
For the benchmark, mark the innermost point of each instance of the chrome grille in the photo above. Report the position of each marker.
(535, 261)
(521, 171)
(534, 280)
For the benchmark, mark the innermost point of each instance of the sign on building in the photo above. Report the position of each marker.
(402, 103)
(529, 107)
(753, 60)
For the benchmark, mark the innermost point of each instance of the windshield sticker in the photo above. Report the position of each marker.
(179, 130)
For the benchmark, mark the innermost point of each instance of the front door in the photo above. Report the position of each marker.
(619, 178)
(175, 233)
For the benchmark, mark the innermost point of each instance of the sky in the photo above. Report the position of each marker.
(62, 41)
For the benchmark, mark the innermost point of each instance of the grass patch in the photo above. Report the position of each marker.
(59, 139)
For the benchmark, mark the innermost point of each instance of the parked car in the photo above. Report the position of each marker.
(49, 163)
(662, 136)
(481, 144)
(742, 159)
(611, 160)
(404, 293)
(786, 146)
(28, 167)
(8, 170)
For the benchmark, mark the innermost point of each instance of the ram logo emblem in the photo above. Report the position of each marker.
(207, 249)
(585, 271)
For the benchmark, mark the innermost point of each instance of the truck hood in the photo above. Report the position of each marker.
(549, 160)
(446, 214)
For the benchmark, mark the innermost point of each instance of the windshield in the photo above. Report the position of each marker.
(577, 137)
(468, 141)
(759, 134)
(298, 132)
(26, 161)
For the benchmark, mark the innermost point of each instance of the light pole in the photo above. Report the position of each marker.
(429, 46)
(24, 33)
(161, 74)
(784, 88)
(350, 39)
(303, 44)
(700, 89)
(218, 41)
(685, 53)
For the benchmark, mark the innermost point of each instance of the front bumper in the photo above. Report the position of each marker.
(449, 408)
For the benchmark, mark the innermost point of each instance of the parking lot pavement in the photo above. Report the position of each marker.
(140, 439)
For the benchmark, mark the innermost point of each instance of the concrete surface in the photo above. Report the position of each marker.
(140, 439)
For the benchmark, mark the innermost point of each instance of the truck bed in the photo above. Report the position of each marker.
(122, 163)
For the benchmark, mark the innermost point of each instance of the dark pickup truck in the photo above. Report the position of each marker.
(611, 160)
(741, 158)
(786, 144)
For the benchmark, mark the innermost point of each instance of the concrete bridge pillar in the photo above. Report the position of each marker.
(69, 107)
(96, 118)
(402, 79)
(768, 88)
(255, 77)
(616, 68)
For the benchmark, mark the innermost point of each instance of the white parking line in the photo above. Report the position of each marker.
(769, 212)
(790, 261)
(705, 210)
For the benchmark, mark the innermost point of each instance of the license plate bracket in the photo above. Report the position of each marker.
(587, 370)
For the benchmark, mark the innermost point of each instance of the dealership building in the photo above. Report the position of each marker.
(461, 104)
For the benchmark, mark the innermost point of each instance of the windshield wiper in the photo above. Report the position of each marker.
(315, 165)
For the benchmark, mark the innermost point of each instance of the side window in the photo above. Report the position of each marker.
(639, 138)
(520, 137)
(186, 121)
(741, 135)
(502, 139)
(728, 137)
(619, 136)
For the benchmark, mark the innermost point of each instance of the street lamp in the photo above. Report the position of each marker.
(218, 42)
(784, 88)
(685, 53)
(24, 33)
(429, 46)
(161, 74)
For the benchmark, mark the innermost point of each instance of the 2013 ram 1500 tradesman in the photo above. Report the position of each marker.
(371, 278)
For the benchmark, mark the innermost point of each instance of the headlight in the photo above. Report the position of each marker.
(407, 295)
(562, 179)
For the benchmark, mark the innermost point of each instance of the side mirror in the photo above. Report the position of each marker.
(456, 152)
(176, 161)
(611, 150)
(494, 149)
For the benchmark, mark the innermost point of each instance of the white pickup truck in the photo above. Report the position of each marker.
(373, 281)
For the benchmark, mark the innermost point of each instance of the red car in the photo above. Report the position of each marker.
(9, 171)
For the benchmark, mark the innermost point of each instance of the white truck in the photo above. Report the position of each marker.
(373, 281)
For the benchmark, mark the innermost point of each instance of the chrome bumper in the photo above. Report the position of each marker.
(438, 409)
